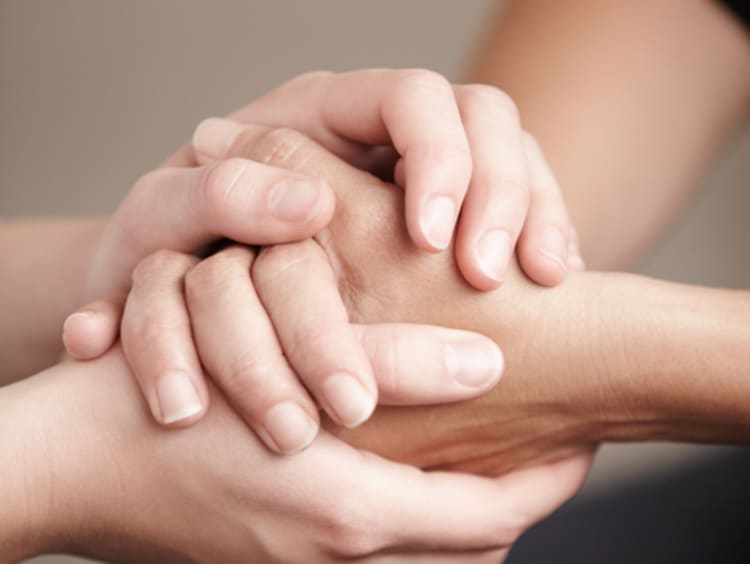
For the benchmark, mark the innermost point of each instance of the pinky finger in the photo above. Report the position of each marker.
(543, 245)
(92, 330)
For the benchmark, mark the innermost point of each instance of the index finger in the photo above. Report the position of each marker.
(412, 109)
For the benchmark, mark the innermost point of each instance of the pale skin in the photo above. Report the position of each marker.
(672, 296)
(637, 359)
(89, 526)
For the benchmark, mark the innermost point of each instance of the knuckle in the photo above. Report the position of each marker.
(308, 77)
(247, 376)
(386, 350)
(161, 263)
(350, 527)
(215, 189)
(273, 261)
(420, 79)
(219, 273)
(484, 98)
(282, 147)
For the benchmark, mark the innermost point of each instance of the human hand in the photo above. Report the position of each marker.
(454, 148)
(183, 316)
(128, 490)
(546, 409)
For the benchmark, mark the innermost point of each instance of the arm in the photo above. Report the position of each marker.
(631, 101)
(86, 471)
(43, 273)
(600, 357)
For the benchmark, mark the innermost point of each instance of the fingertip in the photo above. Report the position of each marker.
(288, 428)
(177, 402)
(542, 270)
(347, 400)
(437, 222)
(87, 334)
(213, 137)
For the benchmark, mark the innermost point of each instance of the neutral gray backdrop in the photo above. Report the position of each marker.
(94, 93)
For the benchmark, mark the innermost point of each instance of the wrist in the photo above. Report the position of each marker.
(29, 524)
(70, 471)
(679, 370)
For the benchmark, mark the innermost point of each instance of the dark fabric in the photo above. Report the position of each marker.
(700, 515)
(741, 9)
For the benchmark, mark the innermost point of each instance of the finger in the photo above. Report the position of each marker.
(498, 199)
(543, 247)
(158, 343)
(421, 364)
(299, 291)
(183, 209)
(469, 512)
(92, 330)
(412, 109)
(239, 349)
(449, 511)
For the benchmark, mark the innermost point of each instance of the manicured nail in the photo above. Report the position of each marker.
(437, 221)
(350, 402)
(475, 363)
(554, 247)
(291, 429)
(295, 200)
(178, 399)
(493, 253)
(214, 136)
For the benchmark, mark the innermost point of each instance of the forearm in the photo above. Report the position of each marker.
(678, 359)
(631, 101)
(27, 492)
(643, 359)
(43, 269)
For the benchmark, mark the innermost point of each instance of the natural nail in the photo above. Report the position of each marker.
(350, 402)
(437, 221)
(475, 363)
(214, 136)
(493, 253)
(178, 399)
(77, 315)
(291, 429)
(554, 247)
(294, 200)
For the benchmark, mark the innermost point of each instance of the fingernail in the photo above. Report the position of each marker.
(437, 221)
(350, 402)
(214, 136)
(493, 253)
(475, 363)
(294, 200)
(178, 399)
(554, 247)
(290, 428)
(77, 315)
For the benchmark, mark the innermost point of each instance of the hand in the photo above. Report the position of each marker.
(456, 149)
(128, 490)
(183, 315)
(543, 408)
(91, 331)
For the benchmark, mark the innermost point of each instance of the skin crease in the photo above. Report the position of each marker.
(383, 277)
(603, 378)
(102, 479)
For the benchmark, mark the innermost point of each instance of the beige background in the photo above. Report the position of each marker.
(93, 93)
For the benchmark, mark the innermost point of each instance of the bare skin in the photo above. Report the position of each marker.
(631, 102)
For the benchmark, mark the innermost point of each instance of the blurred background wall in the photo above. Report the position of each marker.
(94, 93)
